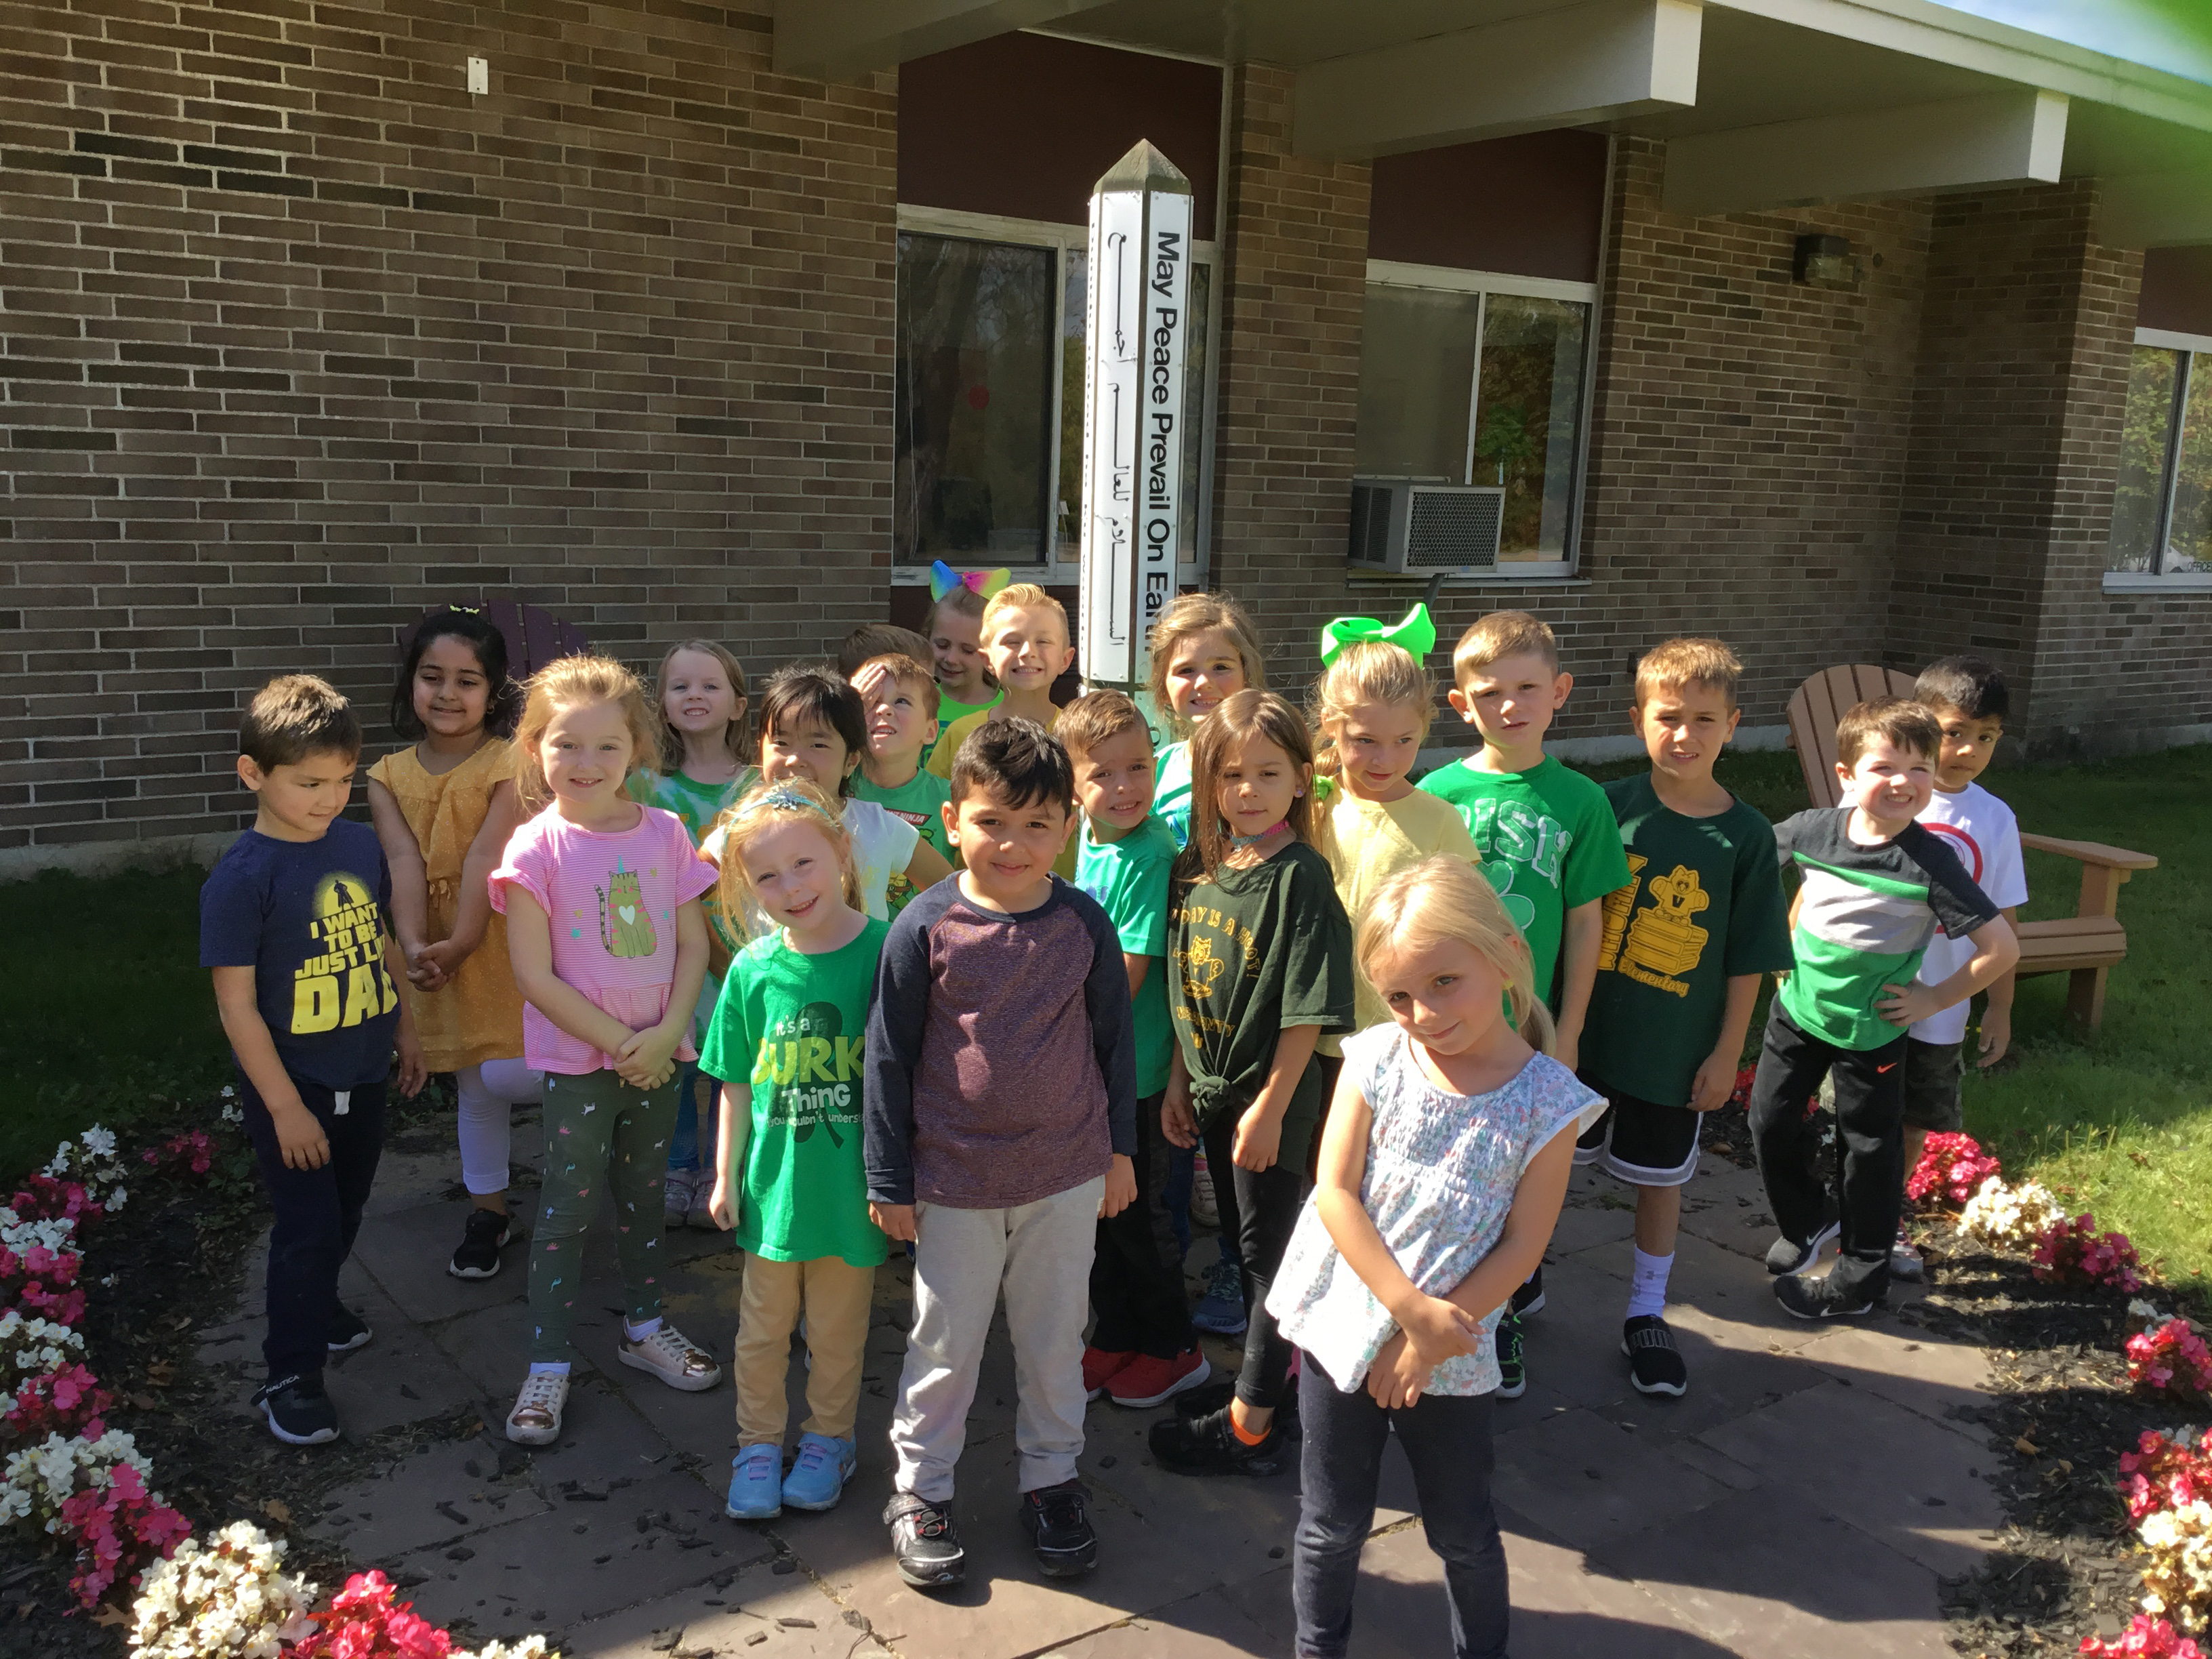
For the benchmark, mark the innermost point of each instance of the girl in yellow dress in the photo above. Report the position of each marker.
(444, 808)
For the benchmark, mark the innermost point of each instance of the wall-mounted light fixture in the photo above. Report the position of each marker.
(1825, 261)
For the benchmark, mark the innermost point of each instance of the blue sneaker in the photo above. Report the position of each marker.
(1221, 1309)
(756, 1484)
(818, 1479)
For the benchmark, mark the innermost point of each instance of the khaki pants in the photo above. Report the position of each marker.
(837, 1299)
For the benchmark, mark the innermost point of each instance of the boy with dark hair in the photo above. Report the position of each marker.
(1547, 842)
(295, 923)
(999, 1127)
(1969, 701)
(1143, 1350)
(1686, 944)
(1877, 886)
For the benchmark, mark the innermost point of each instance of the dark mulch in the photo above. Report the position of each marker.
(2060, 1416)
(176, 1255)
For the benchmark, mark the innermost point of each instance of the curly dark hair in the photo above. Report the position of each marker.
(503, 696)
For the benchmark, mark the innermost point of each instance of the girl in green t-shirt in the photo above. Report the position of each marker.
(700, 770)
(785, 1044)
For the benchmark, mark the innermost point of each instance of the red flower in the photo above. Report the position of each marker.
(2163, 1473)
(2145, 1637)
(2072, 1252)
(2172, 1358)
(362, 1622)
(1951, 1167)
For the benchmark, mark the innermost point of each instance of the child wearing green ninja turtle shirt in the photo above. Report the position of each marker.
(1546, 836)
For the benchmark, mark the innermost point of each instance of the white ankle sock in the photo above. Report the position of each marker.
(1647, 1287)
(549, 1367)
(639, 1333)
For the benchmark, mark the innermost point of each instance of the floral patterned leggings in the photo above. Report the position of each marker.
(602, 1136)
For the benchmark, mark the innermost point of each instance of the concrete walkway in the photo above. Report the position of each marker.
(1801, 1500)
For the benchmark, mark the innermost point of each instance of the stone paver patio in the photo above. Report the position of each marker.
(1801, 1500)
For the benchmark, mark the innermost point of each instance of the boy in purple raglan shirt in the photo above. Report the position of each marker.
(1000, 1121)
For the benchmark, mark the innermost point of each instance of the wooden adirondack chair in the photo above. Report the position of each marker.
(2083, 946)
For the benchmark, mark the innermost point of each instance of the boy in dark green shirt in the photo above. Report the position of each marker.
(1142, 1348)
(1685, 940)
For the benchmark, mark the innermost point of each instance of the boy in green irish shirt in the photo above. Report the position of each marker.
(1685, 941)
(1546, 837)
(1143, 1349)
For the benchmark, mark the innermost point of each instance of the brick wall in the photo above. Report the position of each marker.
(299, 338)
(1296, 261)
(1747, 449)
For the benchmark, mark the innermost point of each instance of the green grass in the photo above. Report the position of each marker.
(109, 1010)
(106, 1008)
(2120, 1123)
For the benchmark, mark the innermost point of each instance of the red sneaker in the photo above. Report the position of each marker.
(1100, 1368)
(1145, 1381)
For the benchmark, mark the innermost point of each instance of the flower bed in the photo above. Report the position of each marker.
(69, 1477)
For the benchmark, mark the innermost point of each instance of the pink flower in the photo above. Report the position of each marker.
(2171, 1359)
(1951, 1167)
(2162, 1474)
(118, 1528)
(2145, 1637)
(2072, 1252)
(68, 1402)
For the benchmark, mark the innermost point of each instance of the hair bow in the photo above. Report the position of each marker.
(1416, 635)
(782, 795)
(943, 579)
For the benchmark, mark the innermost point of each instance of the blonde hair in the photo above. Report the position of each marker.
(576, 682)
(1500, 635)
(904, 669)
(1678, 663)
(1188, 616)
(1023, 596)
(764, 807)
(1444, 898)
(964, 601)
(1244, 716)
(1097, 717)
(1371, 670)
(671, 746)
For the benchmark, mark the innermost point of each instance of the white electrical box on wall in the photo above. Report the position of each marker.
(479, 76)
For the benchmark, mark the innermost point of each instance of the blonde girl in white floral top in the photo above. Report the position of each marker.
(1443, 1168)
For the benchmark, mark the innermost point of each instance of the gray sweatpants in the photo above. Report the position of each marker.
(1041, 1252)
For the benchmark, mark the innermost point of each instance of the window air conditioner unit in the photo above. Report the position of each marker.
(1401, 527)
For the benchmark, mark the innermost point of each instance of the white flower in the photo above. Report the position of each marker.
(1999, 1214)
(35, 1347)
(38, 1479)
(530, 1647)
(232, 1114)
(99, 1142)
(2177, 1584)
(21, 1236)
(227, 1595)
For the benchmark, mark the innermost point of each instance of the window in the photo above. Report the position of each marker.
(1466, 378)
(2162, 498)
(987, 444)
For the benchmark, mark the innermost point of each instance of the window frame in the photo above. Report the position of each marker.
(2191, 346)
(1393, 273)
(1062, 565)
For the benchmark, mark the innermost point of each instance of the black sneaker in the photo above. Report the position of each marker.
(1825, 1297)
(300, 1414)
(348, 1331)
(1529, 1299)
(1655, 1363)
(1786, 1255)
(1212, 1397)
(1512, 1364)
(925, 1543)
(1210, 1445)
(1053, 1516)
(484, 1236)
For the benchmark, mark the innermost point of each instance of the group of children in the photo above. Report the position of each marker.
(967, 970)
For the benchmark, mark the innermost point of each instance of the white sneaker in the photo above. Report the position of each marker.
(676, 1195)
(536, 1419)
(672, 1358)
(1904, 1262)
(1204, 1209)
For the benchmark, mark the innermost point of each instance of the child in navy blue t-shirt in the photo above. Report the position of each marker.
(293, 922)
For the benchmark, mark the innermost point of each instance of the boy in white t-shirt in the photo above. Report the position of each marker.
(1968, 697)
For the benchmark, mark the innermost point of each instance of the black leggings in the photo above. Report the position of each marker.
(1258, 1212)
(1136, 1292)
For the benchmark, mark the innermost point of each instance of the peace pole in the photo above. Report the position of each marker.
(1132, 410)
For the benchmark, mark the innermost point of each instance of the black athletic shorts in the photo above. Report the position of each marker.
(1642, 1144)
